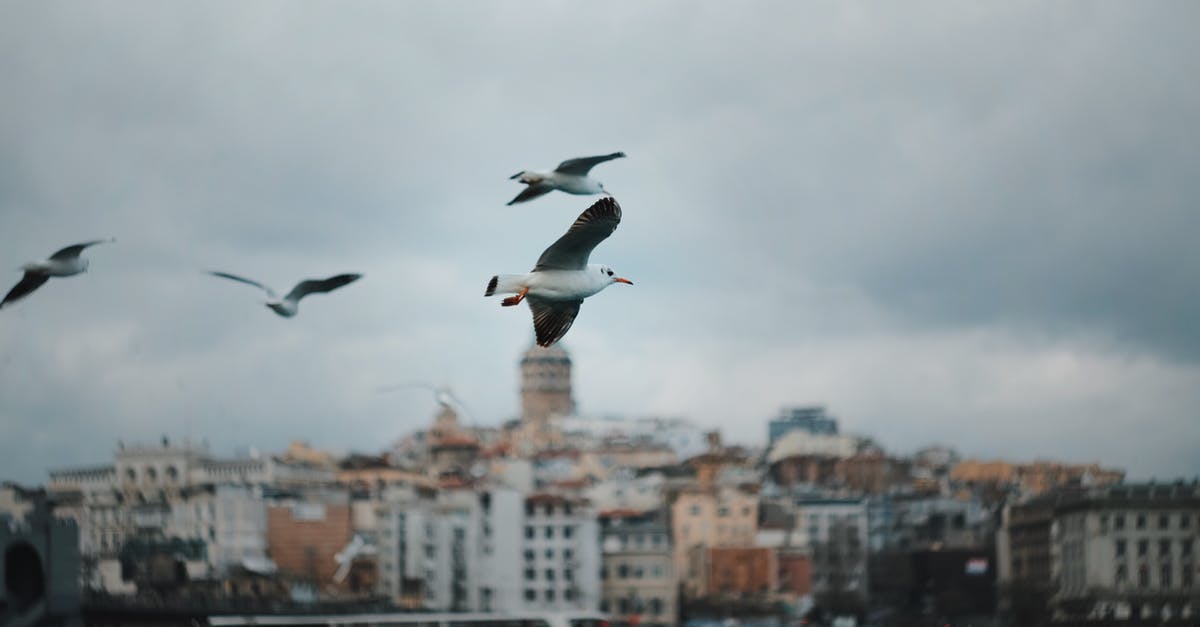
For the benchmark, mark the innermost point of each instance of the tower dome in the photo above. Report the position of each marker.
(545, 384)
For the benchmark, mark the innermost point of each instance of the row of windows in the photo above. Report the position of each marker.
(550, 594)
(548, 509)
(625, 571)
(567, 574)
(625, 605)
(1143, 547)
(1140, 521)
(568, 531)
(640, 539)
(567, 554)
(1165, 579)
(721, 511)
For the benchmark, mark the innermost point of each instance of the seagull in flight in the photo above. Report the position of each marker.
(563, 277)
(65, 262)
(289, 304)
(571, 176)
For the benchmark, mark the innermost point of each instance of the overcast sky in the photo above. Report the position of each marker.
(972, 224)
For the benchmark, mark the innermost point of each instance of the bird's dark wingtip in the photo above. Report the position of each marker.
(491, 288)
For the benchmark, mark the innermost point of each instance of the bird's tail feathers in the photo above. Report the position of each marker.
(504, 284)
(517, 175)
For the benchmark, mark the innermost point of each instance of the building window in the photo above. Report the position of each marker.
(568, 554)
(1185, 547)
(604, 572)
(1120, 548)
(1164, 521)
(1185, 522)
(1164, 580)
(529, 511)
(1119, 522)
(549, 574)
(550, 595)
(549, 533)
(1143, 547)
(568, 575)
(656, 606)
(549, 510)
(530, 594)
(622, 571)
(530, 574)
(1143, 576)
(1186, 576)
(1141, 521)
(695, 509)
(529, 555)
(1103, 523)
(603, 605)
(568, 531)
(1164, 548)
(529, 533)
(1121, 574)
(569, 594)
(723, 511)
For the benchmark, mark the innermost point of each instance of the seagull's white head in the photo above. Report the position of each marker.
(612, 276)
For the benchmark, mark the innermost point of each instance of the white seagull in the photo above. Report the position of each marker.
(563, 277)
(571, 176)
(65, 262)
(289, 304)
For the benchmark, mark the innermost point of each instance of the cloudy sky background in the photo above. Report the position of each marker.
(971, 224)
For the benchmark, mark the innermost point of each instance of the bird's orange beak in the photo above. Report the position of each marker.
(625, 281)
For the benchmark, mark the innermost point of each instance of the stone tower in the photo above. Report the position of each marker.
(545, 385)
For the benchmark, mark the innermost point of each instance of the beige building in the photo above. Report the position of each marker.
(546, 384)
(1034, 478)
(710, 517)
(637, 576)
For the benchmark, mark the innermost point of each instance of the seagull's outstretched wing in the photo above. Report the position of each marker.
(552, 318)
(234, 277)
(31, 281)
(531, 192)
(74, 250)
(313, 286)
(572, 250)
(583, 165)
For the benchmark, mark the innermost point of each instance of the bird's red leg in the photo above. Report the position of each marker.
(515, 300)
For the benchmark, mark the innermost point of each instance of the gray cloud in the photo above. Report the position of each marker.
(950, 223)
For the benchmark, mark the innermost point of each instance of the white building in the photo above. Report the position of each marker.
(1129, 551)
(490, 551)
(175, 491)
(837, 536)
(626, 491)
(682, 436)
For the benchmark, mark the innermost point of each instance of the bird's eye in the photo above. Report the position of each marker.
(610, 273)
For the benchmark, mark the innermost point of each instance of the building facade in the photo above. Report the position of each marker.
(1125, 551)
(637, 575)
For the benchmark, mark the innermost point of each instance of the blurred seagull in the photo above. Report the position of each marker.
(563, 277)
(65, 262)
(289, 304)
(571, 176)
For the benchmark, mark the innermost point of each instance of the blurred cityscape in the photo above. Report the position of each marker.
(653, 521)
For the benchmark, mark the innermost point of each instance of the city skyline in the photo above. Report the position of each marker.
(948, 224)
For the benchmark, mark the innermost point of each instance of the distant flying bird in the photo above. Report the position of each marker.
(563, 277)
(65, 262)
(571, 176)
(289, 304)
